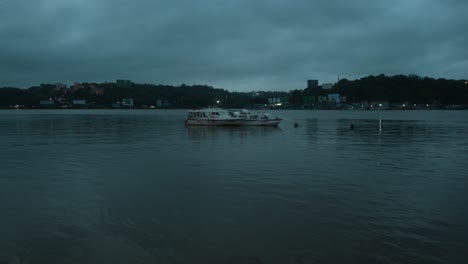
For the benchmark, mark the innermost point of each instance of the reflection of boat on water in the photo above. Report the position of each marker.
(226, 132)
(255, 118)
(234, 117)
(212, 117)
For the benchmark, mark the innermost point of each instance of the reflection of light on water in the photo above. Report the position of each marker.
(380, 123)
(380, 130)
(380, 126)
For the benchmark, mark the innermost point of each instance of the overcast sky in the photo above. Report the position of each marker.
(238, 45)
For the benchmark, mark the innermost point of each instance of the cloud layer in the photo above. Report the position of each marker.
(239, 45)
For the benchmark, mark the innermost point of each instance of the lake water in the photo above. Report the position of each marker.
(137, 186)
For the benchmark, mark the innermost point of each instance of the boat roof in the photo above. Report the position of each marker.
(208, 110)
(239, 110)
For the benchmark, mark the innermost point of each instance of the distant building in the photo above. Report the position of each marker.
(166, 104)
(312, 84)
(127, 102)
(60, 86)
(79, 102)
(96, 90)
(274, 100)
(327, 86)
(322, 99)
(124, 83)
(336, 98)
(163, 103)
(77, 86)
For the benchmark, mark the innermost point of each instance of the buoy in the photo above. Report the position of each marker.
(351, 126)
(296, 124)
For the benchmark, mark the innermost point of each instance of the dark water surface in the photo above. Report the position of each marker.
(137, 186)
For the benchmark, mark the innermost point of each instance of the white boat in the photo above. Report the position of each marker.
(212, 117)
(255, 118)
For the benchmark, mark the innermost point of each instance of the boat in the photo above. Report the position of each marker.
(255, 118)
(231, 117)
(213, 117)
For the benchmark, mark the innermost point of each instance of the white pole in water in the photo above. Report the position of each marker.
(380, 124)
(380, 121)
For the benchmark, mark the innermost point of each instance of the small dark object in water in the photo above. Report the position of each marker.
(351, 127)
(296, 124)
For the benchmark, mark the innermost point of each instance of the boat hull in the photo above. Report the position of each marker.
(214, 122)
(262, 122)
(243, 122)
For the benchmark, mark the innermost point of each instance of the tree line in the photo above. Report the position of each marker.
(398, 89)
(104, 95)
(394, 89)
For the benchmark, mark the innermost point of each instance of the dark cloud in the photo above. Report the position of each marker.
(238, 45)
